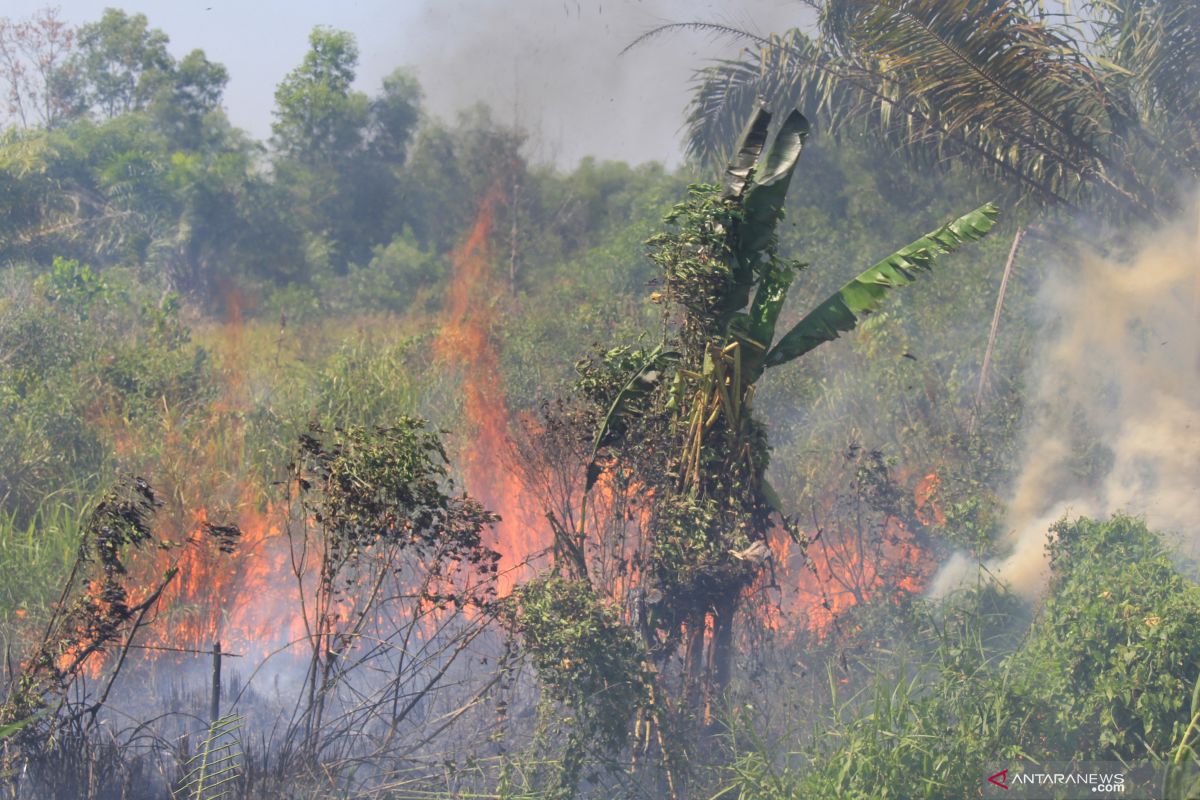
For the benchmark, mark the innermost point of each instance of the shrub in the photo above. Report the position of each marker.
(1115, 653)
(588, 663)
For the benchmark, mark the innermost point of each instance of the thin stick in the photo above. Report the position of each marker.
(987, 354)
(190, 650)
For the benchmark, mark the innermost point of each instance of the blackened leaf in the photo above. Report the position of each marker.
(749, 148)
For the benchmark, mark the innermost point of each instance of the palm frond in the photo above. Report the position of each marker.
(1154, 47)
(215, 766)
(944, 81)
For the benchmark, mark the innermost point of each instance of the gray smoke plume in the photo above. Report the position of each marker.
(1116, 409)
(557, 66)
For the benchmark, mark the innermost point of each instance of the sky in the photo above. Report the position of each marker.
(555, 66)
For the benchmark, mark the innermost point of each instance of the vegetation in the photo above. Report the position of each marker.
(1082, 107)
(676, 422)
(400, 544)
(990, 695)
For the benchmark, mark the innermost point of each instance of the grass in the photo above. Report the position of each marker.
(226, 450)
(35, 557)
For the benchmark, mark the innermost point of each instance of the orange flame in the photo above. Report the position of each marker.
(846, 566)
(250, 602)
(466, 340)
(928, 510)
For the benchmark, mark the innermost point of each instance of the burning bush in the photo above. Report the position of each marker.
(103, 605)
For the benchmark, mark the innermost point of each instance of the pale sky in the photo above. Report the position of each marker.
(574, 92)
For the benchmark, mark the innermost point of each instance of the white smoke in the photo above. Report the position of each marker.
(1119, 386)
(557, 66)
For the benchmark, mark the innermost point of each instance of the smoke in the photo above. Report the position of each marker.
(556, 66)
(1115, 414)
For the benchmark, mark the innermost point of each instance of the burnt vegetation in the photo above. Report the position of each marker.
(471, 476)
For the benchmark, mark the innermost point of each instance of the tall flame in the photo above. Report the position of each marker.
(486, 460)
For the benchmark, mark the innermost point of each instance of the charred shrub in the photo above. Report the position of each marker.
(389, 485)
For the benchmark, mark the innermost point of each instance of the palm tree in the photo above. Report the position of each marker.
(1098, 108)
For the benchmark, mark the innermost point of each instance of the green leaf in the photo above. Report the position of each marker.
(765, 197)
(768, 301)
(756, 329)
(216, 764)
(841, 311)
(635, 386)
(14, 727)
(771, 496)
(764, 192)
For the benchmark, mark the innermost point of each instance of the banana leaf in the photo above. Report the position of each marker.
(756, 330)
(764, 186)
(749, 148)
(765, 197)
(768, 301)
(841, 311)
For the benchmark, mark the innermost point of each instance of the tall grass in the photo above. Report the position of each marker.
(1181, 778)
(929, 730)
(35, 556)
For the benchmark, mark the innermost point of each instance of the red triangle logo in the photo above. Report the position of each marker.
(999, 778)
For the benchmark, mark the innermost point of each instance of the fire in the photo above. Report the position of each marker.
(248, 602)
(842, 571)
(928, 511)
(485, 460)
(251, 601)
(847, 565)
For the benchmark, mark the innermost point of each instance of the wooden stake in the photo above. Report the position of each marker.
(214, 709)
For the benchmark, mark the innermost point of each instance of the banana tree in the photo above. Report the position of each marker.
(725, 286)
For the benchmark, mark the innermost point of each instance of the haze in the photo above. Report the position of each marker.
(554, 64)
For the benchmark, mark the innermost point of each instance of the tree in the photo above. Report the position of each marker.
(340, 152)
(450, 168)
(121, 64)
(33, 55)
(393, 117)
(675, 423)
(318, 117)
(194, 92)
(1017, 94)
